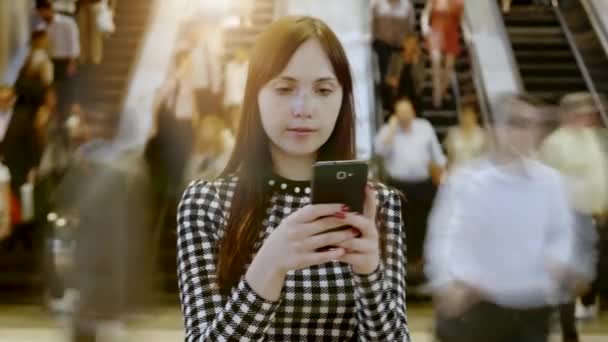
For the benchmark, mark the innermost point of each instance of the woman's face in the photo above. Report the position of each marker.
(299, 108)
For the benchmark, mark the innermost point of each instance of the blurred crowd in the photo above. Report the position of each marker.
(510, 227)
(42, 122)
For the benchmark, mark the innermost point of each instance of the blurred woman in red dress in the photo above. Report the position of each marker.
(441, 28)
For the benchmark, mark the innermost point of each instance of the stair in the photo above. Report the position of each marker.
(546, 62)
(103, 87)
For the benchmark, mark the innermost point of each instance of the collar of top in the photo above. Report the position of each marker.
(288, 186)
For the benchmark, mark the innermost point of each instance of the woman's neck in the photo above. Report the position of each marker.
(297, 168)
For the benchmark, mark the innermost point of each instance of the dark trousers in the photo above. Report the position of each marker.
(384, 52)
(64, 83)
(567, 321)
(419, 198)
(488, 322)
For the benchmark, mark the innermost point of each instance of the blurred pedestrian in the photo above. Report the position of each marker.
(64, 49)
(211, 151)
(415, 162)
(500, 248)
(467, 141)
(440, 25)
(392, 21)
(37, 72)
(407, 72)
(93, 29)
(575, 150)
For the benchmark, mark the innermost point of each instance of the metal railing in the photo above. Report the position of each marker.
(596, 22)
(581, 63)
(504, 36)
(480, 90)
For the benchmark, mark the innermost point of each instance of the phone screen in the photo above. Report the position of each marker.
(341, 182)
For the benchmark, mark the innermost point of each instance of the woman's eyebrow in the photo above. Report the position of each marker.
(318, 80)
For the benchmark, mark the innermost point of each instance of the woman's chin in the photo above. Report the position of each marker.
(300, 149)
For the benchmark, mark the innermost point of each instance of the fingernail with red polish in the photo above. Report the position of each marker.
(340, 215)
(355, 232)
(345, 208)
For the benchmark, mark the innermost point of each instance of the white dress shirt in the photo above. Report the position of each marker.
(66, 6)
(501, 231)
(64, 37)
(577, 153)
(411, 152)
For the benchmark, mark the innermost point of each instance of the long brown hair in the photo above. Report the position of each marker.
(251, 158)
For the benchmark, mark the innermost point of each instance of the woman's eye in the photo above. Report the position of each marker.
(283, 90)
(325, 91)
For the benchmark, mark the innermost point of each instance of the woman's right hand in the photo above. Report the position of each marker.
(298, 243)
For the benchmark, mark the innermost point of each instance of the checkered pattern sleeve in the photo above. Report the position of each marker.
(209, 315)
(380, 296)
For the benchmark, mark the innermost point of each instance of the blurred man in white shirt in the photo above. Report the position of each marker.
(64, 48)
(414, 162)
(501, 245)
(576, 151)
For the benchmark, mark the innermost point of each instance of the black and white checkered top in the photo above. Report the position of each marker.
(322, 303)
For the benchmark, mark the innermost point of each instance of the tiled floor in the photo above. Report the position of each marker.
(32, 324)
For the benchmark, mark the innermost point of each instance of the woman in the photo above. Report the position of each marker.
(37, 71)
(250, 268)
(466, 141)
(441, 26)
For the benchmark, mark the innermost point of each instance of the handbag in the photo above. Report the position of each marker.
(104, 17)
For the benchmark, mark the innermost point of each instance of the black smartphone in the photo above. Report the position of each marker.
(340, 182)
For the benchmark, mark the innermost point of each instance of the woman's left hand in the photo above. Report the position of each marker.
(363, 252)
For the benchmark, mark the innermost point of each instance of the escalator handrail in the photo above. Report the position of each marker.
(504, 35)
(581, 63)
(480, 90)
(600, 30)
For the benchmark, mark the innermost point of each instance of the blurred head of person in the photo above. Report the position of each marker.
(45, 10)
(39, 40)
(578, 110)
(210, 135)
(520, 125)
(404, 112)
(241, 54)
(298, 106)
(7, 97)
(468, 117)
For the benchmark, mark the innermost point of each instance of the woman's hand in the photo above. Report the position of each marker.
(363, 252)
(298, 243)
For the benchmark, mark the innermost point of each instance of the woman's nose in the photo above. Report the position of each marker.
(300, 107)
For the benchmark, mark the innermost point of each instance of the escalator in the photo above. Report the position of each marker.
(102, 89)
(586, 39)
(546, 59)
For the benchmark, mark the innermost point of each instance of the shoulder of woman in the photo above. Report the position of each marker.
(387, 195)
(213, 197)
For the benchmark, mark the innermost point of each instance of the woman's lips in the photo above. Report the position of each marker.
(301, 131)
